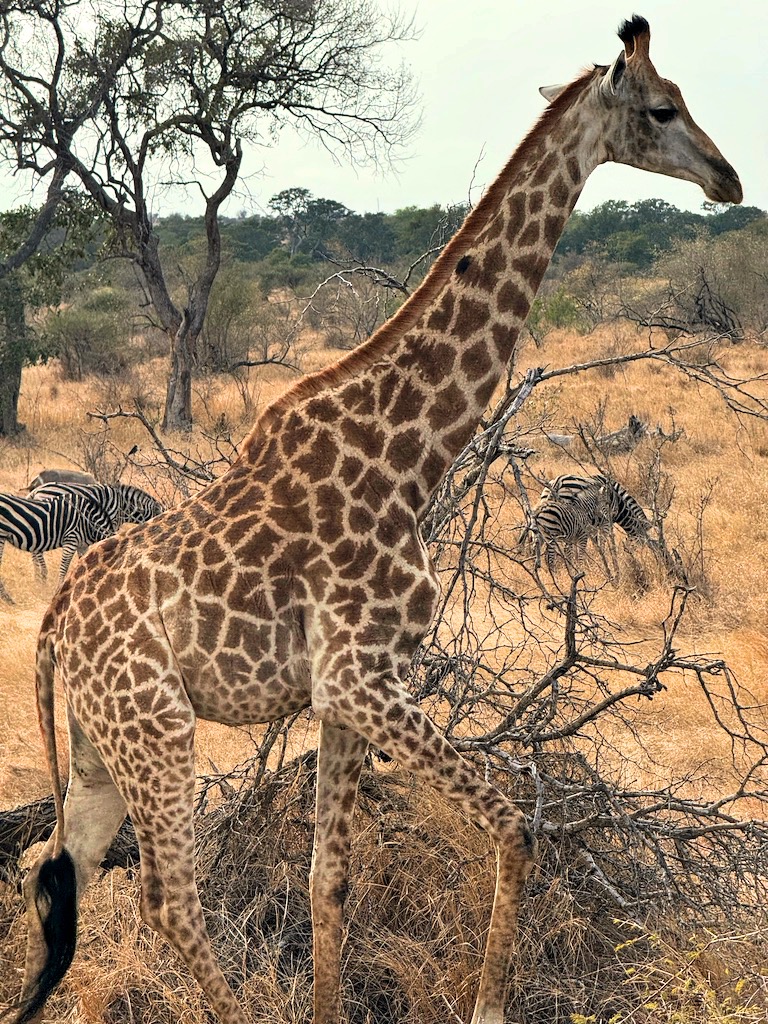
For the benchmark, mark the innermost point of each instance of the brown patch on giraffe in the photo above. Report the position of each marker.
(472, 317)
(360, 519)
(421, 603)
(559, 193)
(504, 338)
(257, 546)
(530, 236)
(407, 404)
(432, 469)
(448, 405)
(535, 201)
(531, 268)
(476, 361)
(323, 408)
(512, 299)
(404, 450)
(545, 168)
(485, 390)
(320, 461)
(368, 438)
(574, 170)
(516, 207)
(296, 434)
(431, 362)
(353, 559)
(373, 488)
(358, 398)
(210, 623)
(440, 317)
(553, 226)
(485, 273)
(455, 439)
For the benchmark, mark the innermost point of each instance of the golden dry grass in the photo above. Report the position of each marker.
(123, 972)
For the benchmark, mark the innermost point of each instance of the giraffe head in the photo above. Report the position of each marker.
(645, 122)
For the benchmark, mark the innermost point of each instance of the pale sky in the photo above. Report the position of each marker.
(478, 66)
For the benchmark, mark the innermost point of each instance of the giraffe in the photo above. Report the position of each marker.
(299, 578)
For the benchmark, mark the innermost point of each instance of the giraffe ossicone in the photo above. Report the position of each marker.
(299, 578)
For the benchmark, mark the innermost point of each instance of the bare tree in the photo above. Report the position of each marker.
(132, 97)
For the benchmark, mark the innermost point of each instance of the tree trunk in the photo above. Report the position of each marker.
(178, 397)
(12, 350)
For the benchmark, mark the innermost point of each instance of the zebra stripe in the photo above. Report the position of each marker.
(109, 505)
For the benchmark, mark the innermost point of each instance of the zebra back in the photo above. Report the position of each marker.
(601, 500)
(110, 506)
(95, 502)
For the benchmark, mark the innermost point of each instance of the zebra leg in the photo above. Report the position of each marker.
(4, 595)
(41, 569)
(66, 559)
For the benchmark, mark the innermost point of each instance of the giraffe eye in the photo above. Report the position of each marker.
(662, 115)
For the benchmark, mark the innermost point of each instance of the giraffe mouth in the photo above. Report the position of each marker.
(724, 186)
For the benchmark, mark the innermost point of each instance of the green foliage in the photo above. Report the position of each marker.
(93, 334)
(635, 233)
(282, 270)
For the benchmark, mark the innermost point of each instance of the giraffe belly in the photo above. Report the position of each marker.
(252, 668)
(228, 688)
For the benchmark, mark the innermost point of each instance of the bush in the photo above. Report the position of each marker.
(92, 336)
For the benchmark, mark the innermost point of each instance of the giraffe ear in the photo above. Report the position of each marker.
(551, 92)
(615, 74)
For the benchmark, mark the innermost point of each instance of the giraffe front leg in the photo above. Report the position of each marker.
(391, 719)
(339, 760)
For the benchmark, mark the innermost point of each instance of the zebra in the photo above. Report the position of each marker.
(575, 509)
(39, 526)
(78, 516)
(112, 505)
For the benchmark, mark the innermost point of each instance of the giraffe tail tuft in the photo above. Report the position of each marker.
(55, 899)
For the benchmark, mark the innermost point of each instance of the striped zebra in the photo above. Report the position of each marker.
(575, 509)
(69, 516)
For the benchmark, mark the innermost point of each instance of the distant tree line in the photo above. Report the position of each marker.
(301, 225)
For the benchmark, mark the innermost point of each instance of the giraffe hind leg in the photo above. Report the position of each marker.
(161, 809)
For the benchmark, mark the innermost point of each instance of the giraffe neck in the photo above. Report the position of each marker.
(423, 381)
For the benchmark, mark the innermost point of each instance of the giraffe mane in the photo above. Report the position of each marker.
(376, 347)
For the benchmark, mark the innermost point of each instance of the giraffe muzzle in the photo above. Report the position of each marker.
(725, 186)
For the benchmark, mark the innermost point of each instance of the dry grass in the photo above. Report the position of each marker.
(422, 878)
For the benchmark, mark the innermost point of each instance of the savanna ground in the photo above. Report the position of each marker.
(422, 877)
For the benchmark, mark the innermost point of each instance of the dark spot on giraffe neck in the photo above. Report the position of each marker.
(512, 299)
(463, 263)
(516, 206)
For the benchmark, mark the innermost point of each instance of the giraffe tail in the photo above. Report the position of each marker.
(55, 896)
(51, 888)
